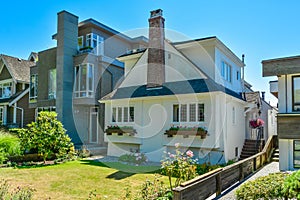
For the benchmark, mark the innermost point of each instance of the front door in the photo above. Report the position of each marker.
(93, 130)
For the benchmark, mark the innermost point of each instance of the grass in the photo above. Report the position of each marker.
(76, 179)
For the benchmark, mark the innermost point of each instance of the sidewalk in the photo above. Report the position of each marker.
(272, 167)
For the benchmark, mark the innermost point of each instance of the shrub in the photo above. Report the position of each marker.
(18, 193)
(9, 146)
(180, 165)
(265, 187)
(47, 137)
(133, 158)
(152, 190)
(206, 167)
(291, 187)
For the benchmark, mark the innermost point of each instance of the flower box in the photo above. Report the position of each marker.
(120, 130)
(200, 132)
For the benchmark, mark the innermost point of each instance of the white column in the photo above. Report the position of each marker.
(15, 113)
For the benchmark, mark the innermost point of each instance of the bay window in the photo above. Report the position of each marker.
(33, 87)
(84, 81)
(52, 84)
(296, 93)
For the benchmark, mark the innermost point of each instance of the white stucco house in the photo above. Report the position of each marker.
(189, 84)
(287, 89)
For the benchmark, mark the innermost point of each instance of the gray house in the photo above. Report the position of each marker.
(82, 68)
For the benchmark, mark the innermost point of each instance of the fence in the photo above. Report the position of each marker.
(220, 179)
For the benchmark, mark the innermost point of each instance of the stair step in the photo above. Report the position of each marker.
(275, 159)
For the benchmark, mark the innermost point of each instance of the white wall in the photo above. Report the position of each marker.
(235, 85)
(285, 102)
(286, 154)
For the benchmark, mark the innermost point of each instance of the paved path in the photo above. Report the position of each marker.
(272, 167)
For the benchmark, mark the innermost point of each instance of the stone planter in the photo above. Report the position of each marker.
(186, 133)
(120, 131)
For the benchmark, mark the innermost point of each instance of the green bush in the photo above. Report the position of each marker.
(19, 193)
(47, 137)
(9, 146)
(291, 187)
(133, 158)
(265, 187)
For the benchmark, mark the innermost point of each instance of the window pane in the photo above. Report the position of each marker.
(77, 80)
(125, 114)
(131, 114)
(176, 113)
(83, 75)
(88, 40)
(296, 86)
(114, 115)
(80, 42)
(201, 112)
(192, 112)
(223, 69)
(297, 145)
(52, 84)
(90, 77)
(297, 159)
(119, 114)
(183, 113)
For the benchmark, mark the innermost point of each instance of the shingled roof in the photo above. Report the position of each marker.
(171, 88)
(18, 68)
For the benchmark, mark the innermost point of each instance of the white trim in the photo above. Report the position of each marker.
(15, 113)
(90, 125)
(19, 97)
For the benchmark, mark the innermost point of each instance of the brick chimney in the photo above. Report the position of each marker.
(156, 53)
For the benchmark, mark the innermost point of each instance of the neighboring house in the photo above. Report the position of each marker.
(260, 109)
(196, 83)
(14, 91)
(71, 77)
(287, 89)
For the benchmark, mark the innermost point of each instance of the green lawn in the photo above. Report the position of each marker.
(76, 179)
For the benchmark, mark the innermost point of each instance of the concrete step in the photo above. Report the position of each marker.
(275, 159)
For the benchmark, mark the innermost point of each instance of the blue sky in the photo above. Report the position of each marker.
(260, 29)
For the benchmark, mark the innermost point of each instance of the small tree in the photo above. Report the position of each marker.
(46, 136)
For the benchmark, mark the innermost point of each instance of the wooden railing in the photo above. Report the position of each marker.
(220, 179)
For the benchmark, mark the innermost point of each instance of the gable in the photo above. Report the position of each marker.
(177, 68)
(4, 74)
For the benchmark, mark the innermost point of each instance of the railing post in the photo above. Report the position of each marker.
(177, 195)
(241, 169)
(254, 164)
(218, 184)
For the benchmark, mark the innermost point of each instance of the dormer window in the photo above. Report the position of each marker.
(226, 71)
(5, 90)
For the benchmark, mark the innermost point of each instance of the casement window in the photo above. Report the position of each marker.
(238, 76)
(80, 42)
(49, 109)
(5, 90)
(96, 42)
(188, 112)
(52, 84)
(296, 154)
(226, 71)
(33, 84)
(122, 114)
(296, 93)
(84, 81)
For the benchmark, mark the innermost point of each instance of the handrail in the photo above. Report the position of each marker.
(223, 178)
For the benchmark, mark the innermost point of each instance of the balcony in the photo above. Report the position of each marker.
(288, 125)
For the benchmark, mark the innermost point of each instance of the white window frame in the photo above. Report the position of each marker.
(2, 115)
(5, 82)
(77, 77)
(33, 98)
(188, 113)
(82, 41)
(226, 71)
(98, 49)
(122, 108)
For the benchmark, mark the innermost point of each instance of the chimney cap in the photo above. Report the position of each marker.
(156, 13)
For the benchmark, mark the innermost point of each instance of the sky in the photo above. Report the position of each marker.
(260, 29)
